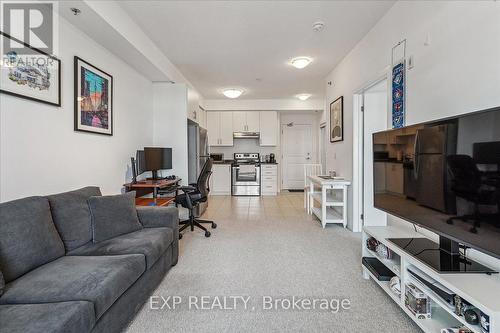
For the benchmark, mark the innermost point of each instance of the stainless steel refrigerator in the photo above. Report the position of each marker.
(432, 146)
(198, 152)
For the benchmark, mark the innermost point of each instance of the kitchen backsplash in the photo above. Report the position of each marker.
(244, 146)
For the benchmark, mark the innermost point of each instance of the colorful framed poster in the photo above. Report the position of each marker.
(93, 99)
(398, 95)
(337, 120)
(35, 76)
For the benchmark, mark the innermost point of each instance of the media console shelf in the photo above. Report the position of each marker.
(481, 290)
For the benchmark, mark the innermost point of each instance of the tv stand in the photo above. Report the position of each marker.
(480, 290)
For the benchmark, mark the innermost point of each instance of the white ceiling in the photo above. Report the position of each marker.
(248, 44)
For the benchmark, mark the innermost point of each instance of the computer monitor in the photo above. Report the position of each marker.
(156, 158)
(140, 162)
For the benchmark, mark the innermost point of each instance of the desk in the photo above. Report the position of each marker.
(155, 185)
(331, 194)
(158, 202)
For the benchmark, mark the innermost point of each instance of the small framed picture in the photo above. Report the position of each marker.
(93, 99)
(337, 120)
(35, 75)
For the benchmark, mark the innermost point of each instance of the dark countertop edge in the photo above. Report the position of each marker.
(273, 163)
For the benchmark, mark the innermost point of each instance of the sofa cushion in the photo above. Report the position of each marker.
(151, 242)
(71, 215)
(28, 237)
(65, 317)
(100, 280)
(113, 215)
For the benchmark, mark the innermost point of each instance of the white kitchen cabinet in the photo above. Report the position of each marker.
(213, 128)
(268, 128)
(220, 128)
(246, 121)
(220, 180)
(269, 179)
(253, 124)
(239, 121)
(226, 129)
(394, 177)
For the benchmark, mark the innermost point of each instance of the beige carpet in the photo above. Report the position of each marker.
(270, 247)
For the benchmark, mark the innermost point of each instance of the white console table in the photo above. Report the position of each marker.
(481, 290)
(331, 196)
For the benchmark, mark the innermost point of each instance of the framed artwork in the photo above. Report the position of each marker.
(398, 95)
(35, 76)
(337, 120)
(93, 99)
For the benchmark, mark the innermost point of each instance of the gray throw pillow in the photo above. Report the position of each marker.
(113, 215)
(2, 283)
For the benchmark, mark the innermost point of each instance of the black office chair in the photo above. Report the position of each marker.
(468, 184)
(193, 195)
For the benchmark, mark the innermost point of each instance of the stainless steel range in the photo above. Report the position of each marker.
(245, 175)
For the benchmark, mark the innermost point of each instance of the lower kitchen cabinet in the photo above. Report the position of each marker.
(269, 179)
(220, 180)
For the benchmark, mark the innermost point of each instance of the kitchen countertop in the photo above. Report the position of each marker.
(224, 162)
(275, 163)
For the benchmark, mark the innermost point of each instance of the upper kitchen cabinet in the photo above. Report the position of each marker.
(245, 121)
(268, 123)
(220, 128)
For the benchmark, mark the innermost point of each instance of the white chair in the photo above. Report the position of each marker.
(310, 170)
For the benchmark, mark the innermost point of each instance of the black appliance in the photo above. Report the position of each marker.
(409, 181)
(432, 145)
(156, 159)
(272, 158)
(460, 205)
(380, 156)
(217, 157)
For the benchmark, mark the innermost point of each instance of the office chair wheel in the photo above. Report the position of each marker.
(450, 220)
(180, 236)
(473, 230)
(214, 225)
(207, 233)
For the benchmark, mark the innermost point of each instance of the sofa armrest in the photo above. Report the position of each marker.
(157, 217)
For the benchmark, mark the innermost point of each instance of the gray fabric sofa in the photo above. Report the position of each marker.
(58, 280)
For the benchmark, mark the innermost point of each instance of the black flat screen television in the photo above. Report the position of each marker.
(156, 158)
(444, 175)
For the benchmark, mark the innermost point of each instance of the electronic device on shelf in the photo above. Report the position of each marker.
(447, 295)
(171, 177)
(456, 175)
(378, 269)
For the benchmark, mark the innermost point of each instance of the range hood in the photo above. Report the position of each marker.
(246, 135)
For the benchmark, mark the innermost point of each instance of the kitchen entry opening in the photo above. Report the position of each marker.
(371, 107)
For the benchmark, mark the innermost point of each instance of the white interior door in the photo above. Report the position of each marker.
(297, 142)
(375, 104)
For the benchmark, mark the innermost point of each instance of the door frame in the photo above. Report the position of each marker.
(314, 157)
(358, 146)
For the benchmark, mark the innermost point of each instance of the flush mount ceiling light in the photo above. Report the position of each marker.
(303, 97)
(232, 93)
(318, 26)
(300, 62)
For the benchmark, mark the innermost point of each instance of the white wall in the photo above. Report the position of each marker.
(457, 72)
(41, 154)
(170, 124)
